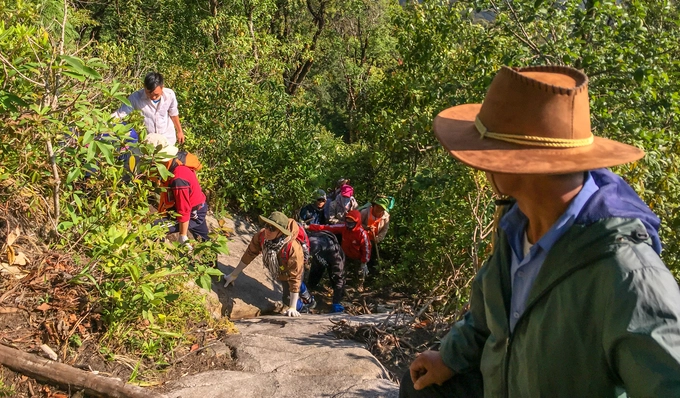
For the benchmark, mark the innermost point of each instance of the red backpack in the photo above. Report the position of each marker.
(302, 238)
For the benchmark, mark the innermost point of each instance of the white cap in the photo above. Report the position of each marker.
(156, 139)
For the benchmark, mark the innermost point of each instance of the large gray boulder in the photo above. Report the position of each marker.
(255, 292)
(292, 357)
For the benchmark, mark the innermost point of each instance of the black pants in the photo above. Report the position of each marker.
(326, 254)
(374, 261)
(464, 385)
(197, 224)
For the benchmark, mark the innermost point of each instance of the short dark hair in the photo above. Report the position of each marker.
(153, 80)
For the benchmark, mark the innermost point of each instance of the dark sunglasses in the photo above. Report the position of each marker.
(271, 228)
(321, 200)
(351, 224)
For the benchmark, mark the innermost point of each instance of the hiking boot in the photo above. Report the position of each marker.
(308, 305)
(337, 308)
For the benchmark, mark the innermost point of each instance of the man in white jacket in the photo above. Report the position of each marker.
(158, 105)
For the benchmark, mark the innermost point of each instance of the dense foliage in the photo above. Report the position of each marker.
(279, 97)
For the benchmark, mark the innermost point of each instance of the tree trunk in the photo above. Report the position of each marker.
(295, 79)
(67, 376)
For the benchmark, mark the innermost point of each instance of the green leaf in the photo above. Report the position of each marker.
(133, 270)
(204, 281)
(163, 171)
(91, 73)
(214, 271)
(165, 333)
(75, 75)
(105, 149)
(148, 293)
(74, 62)
(10, 101)
(72, 175)
(88, 137)
(122, 98)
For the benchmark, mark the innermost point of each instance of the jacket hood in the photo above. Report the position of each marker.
(355, 216)
(615, 198)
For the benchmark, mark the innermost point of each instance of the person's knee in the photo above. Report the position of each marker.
(406, 389)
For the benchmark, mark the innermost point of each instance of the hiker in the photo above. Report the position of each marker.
(376, 221)
(284, 256)
(354, 240)
(158, 105)
(326, 254)
(182, 194)
(313, 213)
(574, 300)
(342, 203)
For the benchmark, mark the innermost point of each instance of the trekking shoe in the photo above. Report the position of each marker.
(311, 304)
(337, 308)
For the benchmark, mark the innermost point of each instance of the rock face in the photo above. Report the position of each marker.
(255, 292)
(292, 357)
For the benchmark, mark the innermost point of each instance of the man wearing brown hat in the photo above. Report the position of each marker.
(283, 255)
(574, 300)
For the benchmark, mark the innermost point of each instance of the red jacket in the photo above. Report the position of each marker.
(183, 192)
(355, 242)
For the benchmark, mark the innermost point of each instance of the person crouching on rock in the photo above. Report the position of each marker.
(355, 242)
(182, 194)
(327, 254)
(284, 256)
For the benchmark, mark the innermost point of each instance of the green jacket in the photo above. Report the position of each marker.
(602, 318)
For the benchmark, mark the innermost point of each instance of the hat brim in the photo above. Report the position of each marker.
(455, 129)
(167, 153)
(384, 206)
(275, 225)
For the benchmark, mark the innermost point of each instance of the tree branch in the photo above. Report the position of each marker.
(57, 180)
(2, 57)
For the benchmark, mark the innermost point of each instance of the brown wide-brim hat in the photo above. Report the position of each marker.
(533, 120)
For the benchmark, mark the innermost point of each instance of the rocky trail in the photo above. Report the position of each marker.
(280, 356)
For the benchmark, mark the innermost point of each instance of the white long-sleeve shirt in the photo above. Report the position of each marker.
(156, 116)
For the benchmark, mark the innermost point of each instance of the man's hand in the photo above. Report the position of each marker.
(292, 312)
(364, 270)
(229, 279)
(185, 240)
(429, 368)
(180, 137)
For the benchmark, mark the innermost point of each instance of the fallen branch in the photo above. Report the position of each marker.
(64, 375)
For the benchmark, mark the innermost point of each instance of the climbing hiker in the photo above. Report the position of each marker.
(283, 255)
(313, 213)
(342, 203)
(574, 300)
(332, 194)
(354, 239)
(182, 192)
(375, 219)
(158, 105)
(326, 254)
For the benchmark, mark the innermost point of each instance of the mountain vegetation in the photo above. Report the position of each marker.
(281, 97)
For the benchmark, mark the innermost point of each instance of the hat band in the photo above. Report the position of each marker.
(532, 140)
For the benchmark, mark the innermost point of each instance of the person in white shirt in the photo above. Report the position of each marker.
(158, 105)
